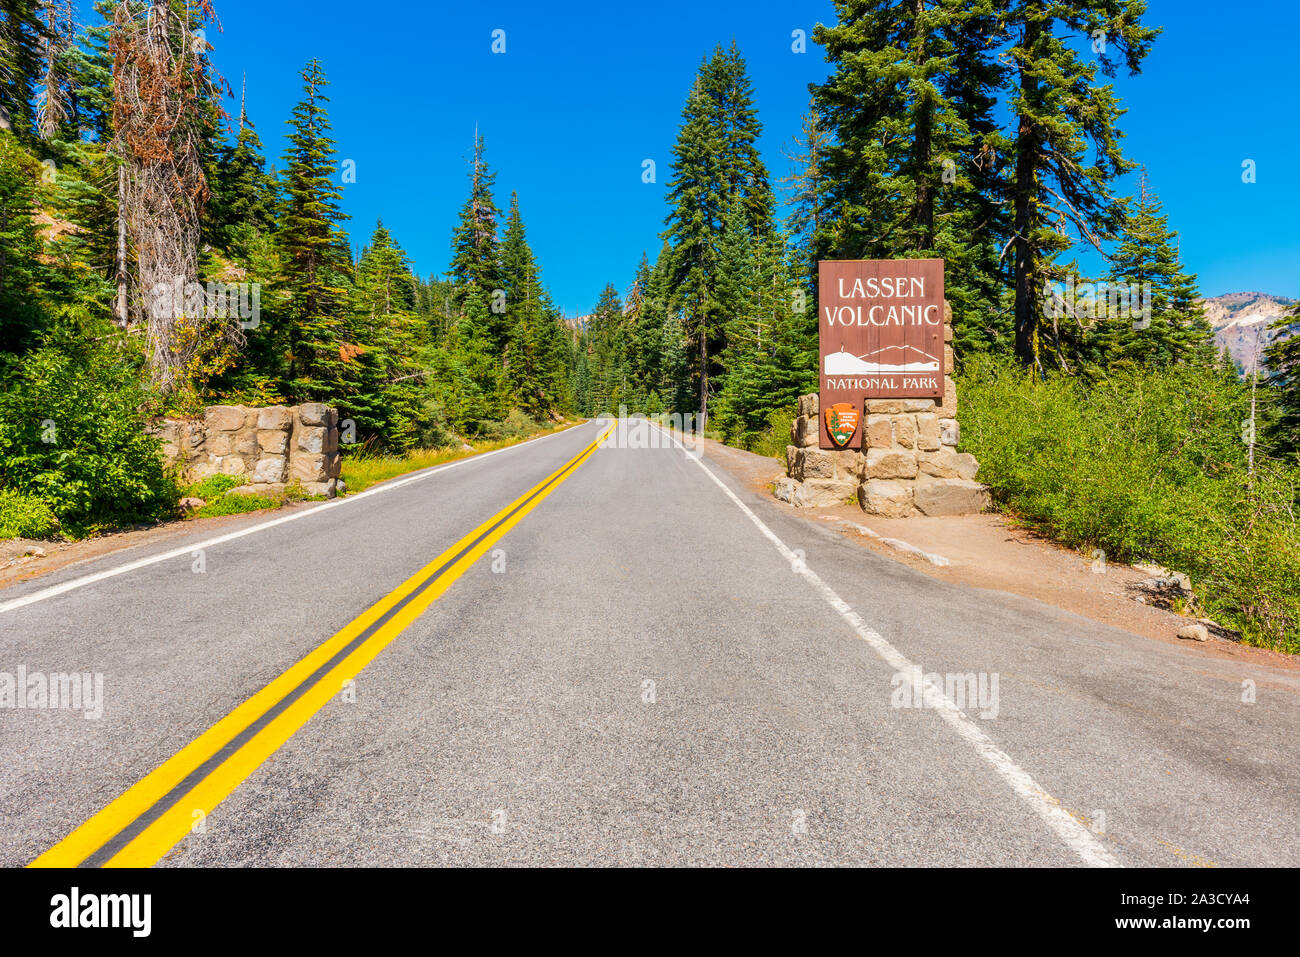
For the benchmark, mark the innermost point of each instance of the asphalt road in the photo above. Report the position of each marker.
(655, 665)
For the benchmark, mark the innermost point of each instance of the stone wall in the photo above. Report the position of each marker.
(272, 447)
(908, 463)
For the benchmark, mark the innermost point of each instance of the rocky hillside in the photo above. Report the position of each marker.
(1241, 321)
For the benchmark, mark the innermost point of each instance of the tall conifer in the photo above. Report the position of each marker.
(313, 248)
(1065, 143)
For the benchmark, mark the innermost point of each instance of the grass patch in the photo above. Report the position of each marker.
(218, 492)
(361, 471)
(236, 505)
(25, 516)
(1146, 466)
(214, 486)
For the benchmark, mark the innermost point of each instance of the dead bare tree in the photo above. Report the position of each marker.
(161, 81)
(59, 31)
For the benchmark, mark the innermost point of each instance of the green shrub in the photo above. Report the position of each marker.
(1146, 465)
(487, 430)
(773, 439)
(74, 433)
(25, 516)
(434, 432)
(518, 424)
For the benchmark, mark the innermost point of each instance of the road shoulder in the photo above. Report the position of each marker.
(989, 552)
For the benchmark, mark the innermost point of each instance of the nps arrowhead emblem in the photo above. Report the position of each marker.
(841, 423)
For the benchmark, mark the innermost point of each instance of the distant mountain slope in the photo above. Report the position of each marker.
(1241, 321)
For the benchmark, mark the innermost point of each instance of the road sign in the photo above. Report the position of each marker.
(880, 324)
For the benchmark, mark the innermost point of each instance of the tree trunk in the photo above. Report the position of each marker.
(121, 312)
(159, 81)
(924, 208)
(704, 374)
(4, 256)
(54, 109)
(1026, 187)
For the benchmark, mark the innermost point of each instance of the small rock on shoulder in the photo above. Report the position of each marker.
(1194, 632)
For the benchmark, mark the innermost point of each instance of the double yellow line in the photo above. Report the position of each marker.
(150, 818)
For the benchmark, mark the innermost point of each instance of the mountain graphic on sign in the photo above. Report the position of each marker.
(886, 361)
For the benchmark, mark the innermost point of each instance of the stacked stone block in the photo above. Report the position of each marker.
(273, 448)
(908, 465)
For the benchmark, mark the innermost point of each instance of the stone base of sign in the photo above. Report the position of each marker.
(908, 464)
(272, 448)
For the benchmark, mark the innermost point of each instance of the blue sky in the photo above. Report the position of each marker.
(586, 91)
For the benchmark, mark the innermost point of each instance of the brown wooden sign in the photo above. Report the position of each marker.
(881, 330)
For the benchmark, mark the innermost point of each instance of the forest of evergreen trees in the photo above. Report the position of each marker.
(983, 134)
(151, 263)
(404, 357)
(130, 189)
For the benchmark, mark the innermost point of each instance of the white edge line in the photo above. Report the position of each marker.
(388, 486)
(1071, 831)
(896, 543)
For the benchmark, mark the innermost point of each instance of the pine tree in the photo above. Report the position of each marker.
(908, 171)
(313, 249)
(806, 186)
(771, 355)
(696, 193)
(84, 194)
(974, 188)
(90, 79)
(1146, 261)
(22, 273)
(746, 186)
(52, 112)
(645, 311)
(474, 258)
(675, 375)
(243, 197)
(390, 393)
(476, 393)
(243, 194)
(581, 379)
(607, 362)
(716, 172)
(1066, 143)
(535, 362)
(22, 39)
(1282, 358)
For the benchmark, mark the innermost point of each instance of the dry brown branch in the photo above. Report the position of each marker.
(162, 82)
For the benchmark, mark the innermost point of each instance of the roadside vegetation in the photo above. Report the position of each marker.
(768, 437)
(1147, 465)
(221, 497)
(97, 339)
(75, 454)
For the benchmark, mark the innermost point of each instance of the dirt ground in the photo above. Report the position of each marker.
(988, 551)
(17, 565)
